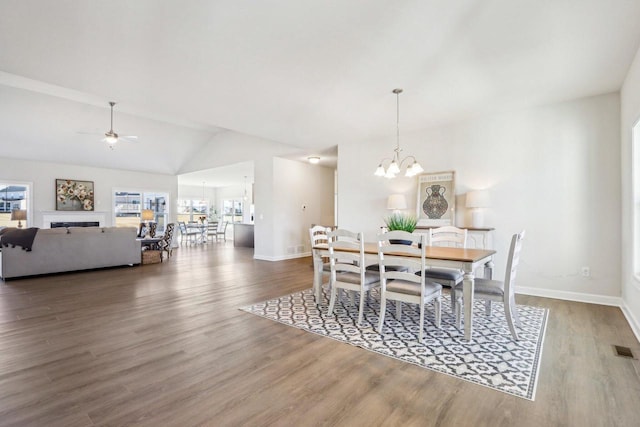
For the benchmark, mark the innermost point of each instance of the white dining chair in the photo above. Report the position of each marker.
(497, 290)
(318, 236)
(404, 285)
(449, 277)
(348, 272)
(187, 233)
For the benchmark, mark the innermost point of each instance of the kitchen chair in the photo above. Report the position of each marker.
(318, 236)
(449, 277)
(222, 230)
(212, 229)
(406, 286)
(166, 244)
(191, 234)
(347, 268)
(496, 290)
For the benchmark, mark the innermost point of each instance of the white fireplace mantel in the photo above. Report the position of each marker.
(73, 216)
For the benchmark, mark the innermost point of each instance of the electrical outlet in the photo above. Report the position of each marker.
(585, 271)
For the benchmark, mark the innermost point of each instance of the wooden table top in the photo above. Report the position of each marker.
(433, 252)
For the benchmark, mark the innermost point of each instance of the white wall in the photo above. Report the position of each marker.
(551, 170)
(43, 175)
(630, 114)
(196, 192)
(302, 195)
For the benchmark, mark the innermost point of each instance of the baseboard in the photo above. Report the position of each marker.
(282, 257)
(571, 296)
(633, 322)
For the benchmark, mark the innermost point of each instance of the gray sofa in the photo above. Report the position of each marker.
(58, 250)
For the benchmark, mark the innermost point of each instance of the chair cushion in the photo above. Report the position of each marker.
(369, 277)
(486, 287)
(442, 274)
(411, 288)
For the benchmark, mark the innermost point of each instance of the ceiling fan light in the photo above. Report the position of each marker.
(111, 139)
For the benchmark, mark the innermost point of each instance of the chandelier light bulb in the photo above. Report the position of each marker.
(394, 168)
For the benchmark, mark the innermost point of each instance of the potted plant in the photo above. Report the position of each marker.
(400, 221)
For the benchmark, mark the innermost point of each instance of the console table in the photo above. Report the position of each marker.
(477, 238)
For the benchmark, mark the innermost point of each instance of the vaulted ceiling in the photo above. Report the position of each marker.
(304, 75)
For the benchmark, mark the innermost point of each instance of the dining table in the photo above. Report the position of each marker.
(199, 229)
(464, 259)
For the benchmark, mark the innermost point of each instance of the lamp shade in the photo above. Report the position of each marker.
(478, 199)
(397, 202)
(147, 215)
(18, 215)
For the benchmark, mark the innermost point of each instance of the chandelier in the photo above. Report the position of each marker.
(413, 167)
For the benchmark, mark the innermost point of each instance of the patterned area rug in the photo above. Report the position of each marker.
(492, 359)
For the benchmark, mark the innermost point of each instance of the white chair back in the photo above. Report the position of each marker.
(448, 236)
(318, 235)
(414, 262)
(512, 262)
(346, 252)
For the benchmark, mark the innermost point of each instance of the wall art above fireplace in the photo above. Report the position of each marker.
(73, 195)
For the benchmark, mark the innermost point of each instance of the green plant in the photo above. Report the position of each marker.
(400, 221)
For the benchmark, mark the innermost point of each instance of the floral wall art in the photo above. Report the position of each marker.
(72, 195)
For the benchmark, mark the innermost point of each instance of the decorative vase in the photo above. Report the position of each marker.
(435, 204)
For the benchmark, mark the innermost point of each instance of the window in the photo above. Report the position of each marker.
(14, 196)
(192, 210)
(128, 206)
(232, 210)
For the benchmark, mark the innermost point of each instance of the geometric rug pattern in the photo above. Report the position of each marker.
(492, 359)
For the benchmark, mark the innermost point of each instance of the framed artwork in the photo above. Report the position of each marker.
(73, 195)
(436, 205)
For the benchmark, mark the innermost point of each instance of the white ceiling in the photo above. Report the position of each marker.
(310, 74)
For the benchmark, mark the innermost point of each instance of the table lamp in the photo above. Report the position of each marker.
(477, 200)
(19, 215)
(396, 202)
(147, 216)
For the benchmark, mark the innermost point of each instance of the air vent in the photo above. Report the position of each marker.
(623, 351)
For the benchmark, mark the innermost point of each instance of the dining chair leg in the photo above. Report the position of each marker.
(421, 333)
(487, 308)
(383, 308)
(361, 309)
(453, 302)
(438, 309)
(332, 301)
(508, 314)
(514, 311)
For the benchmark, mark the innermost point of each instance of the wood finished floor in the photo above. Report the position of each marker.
(165, 345)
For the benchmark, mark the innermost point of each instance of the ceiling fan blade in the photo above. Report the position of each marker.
(128, 138)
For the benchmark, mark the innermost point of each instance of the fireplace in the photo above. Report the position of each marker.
(55, 219)
(58, 224)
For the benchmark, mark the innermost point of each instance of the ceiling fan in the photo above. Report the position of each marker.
(111, 137)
